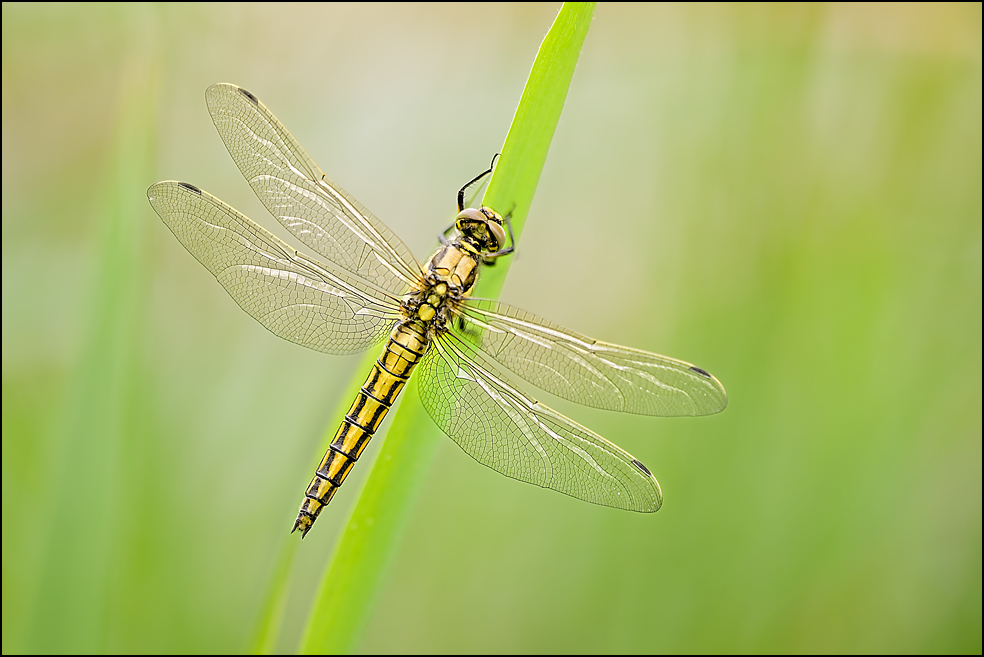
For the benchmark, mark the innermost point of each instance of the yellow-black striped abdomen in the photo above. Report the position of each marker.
(404, 349)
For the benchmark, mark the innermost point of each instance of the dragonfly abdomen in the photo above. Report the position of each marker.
(406, 346)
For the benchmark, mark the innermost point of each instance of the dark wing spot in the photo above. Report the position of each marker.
(190, 188)
(700, 371)
(642, 467)
(248, 95)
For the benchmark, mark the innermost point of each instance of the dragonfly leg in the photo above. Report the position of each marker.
(461, 192)
(463, 326)
(443, 236)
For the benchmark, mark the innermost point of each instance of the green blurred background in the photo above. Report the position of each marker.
(787, 196)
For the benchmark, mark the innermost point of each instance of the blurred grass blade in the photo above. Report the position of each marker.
(271, 619)
(86, 515)
(353, 577)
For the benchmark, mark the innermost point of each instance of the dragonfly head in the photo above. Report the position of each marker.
(484, 227)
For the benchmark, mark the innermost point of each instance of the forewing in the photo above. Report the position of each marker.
(586, 371)
(501, 427)
(309, 204)
(295, 297)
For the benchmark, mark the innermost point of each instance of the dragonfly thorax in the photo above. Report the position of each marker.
(455, 265)
(449, 276)
(429, 304)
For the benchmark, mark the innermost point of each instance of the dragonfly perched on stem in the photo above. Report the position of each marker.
(370, 289)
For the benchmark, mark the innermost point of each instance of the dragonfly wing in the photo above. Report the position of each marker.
(501, 427)
(292, 187)
(322, 307)
(586, 371)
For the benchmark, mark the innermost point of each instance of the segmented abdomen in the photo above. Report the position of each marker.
(404, 349)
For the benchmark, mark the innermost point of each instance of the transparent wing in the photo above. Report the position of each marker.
(295, 191)
(586, 371)
(295, 297)
(501, 427)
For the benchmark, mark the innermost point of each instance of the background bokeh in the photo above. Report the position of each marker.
(787, 196)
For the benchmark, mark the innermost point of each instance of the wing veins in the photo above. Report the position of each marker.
(295, 297)
(563, 467)
(267, 154)
(588, 371)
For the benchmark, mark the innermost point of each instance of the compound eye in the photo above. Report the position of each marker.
(498, 234)
(471, 213)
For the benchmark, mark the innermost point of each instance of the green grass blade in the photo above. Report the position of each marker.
(345, 597)
(266, 634)
(518, 169)
(351, 582)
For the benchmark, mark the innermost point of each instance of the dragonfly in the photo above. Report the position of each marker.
(370, 289)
